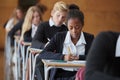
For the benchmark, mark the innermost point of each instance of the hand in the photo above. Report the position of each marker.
(68, 57)
(76, 57)
(21, 42)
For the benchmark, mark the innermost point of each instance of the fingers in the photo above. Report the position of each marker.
(70, 57)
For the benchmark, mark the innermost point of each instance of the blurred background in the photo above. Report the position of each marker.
(100, 15)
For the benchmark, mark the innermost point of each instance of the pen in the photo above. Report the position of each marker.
(48, 39)
(69, 50)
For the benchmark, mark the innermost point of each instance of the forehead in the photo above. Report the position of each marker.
(60, 12)
(74, 21)
(36, 12)
(18, 11)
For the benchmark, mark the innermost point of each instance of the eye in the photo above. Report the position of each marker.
(77, 27)
(70, 27)
(58, 15)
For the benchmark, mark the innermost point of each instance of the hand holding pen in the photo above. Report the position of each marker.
(70, 56)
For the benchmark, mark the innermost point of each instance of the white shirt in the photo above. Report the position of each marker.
(51, 22)
(117, 54)
(34, 29)
(78, 49)
(10, 24)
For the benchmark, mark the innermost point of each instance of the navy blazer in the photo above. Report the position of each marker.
(13, 31)
(54, 49)
(27, 36)
(44, 32)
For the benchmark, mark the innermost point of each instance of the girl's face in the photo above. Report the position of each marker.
(58, 17)
(19, 14)
(36, 18)
(75, 27)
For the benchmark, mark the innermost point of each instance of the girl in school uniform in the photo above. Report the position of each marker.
(48, 29)
(17, 15)
(69, 45)
(32, 20)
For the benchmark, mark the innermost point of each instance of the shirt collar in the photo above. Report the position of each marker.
(80, 41)
(34, 26)
(51, 23)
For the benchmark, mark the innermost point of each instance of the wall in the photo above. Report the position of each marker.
(6, 8)
(100, 15)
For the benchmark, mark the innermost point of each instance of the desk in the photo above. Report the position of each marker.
(33, 60)
(27, 43)
(21, 48)
(17, 57)
(48, 64)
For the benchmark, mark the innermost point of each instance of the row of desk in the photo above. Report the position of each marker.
(48, 64)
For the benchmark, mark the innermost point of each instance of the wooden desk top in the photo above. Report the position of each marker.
(17, 38)
(27, 43)
(35, 50)
(61, 63)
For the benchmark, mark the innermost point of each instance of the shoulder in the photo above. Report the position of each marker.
(45, 23)
(65, 27)
(60, 35)
(108, 34)
(29, 31)
(107, 38)
(88, 35)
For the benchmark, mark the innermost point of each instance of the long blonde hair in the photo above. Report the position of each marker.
(28, 19)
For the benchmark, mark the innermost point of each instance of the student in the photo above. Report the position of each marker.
(103, 61)
(17, 15)
(48, 29)
(32, 20)
(16, 30)
(17, 27)
(69, 45)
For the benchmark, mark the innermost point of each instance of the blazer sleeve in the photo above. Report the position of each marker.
(27, 36)
(50, 50)
(97, 59)
(17, 27)
(38, 40)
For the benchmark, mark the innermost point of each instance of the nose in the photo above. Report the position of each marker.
(74, 30)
